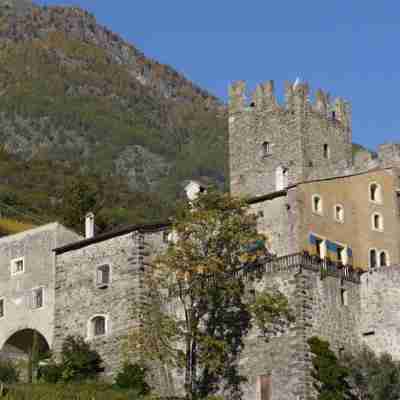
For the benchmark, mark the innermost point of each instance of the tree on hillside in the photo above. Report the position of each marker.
(373, 377)
(199, 309)
(79, 197)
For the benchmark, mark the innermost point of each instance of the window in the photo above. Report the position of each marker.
(383, 259)
(97, 326)
(266, 149)
(377, 222)
(327, 152)
(375, 193)
(372, 258)
(320, 246)
(2, 308)
(342, 254)
(37, 298)
(103, 276)
(339, 213)
(317, 204)
(344, 299)
(17, 266)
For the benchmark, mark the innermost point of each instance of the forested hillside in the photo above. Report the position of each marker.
(76, 100)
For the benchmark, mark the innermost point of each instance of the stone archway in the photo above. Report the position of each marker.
(26, 345)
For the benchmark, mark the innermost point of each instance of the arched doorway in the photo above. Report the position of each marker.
(28, 345)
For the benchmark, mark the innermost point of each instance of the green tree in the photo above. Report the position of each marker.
(80, 196)
(199, 310)
(331, 376)
(373, 377)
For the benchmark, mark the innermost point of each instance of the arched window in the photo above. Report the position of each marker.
(339, 213)
(372, 258)
(317, 204)
(375, 193)
(266, 149)
(383, 259)
(377, 222)
(97, 326)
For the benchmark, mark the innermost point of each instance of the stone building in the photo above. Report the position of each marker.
(27, 286)
(331, 218)
(98, 281)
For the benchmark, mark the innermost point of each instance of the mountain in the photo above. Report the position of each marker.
(76, 99)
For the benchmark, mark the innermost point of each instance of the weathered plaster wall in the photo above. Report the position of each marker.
(36, 247)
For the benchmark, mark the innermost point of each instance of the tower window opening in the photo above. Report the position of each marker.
(266, 149)
(326, 151)
(375, 193)
(344, 299)
(333, 114)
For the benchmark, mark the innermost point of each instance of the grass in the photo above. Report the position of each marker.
(92, 391)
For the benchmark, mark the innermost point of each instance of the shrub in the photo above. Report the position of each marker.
(51, 373)
(133, 376)
(8, 372)
(79, 361)
(331, 376)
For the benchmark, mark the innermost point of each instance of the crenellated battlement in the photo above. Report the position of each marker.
(297, 98)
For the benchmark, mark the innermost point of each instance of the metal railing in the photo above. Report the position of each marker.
(303, 260)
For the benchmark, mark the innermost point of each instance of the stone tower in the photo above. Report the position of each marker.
(272, 146)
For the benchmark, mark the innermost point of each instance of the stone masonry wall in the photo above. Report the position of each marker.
(78, 299)
(379, 326)
(296, 134)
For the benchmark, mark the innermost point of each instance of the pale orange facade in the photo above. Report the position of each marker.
(353, 219)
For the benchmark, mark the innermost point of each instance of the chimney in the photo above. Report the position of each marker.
(89, 225)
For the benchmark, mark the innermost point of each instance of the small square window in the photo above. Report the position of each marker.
(37, 298)
(2, 308)
(17, 266)
(103, 276)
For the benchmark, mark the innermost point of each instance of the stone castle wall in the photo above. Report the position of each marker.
(295, 134)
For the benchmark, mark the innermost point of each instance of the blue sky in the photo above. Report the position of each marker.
(349, 48)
